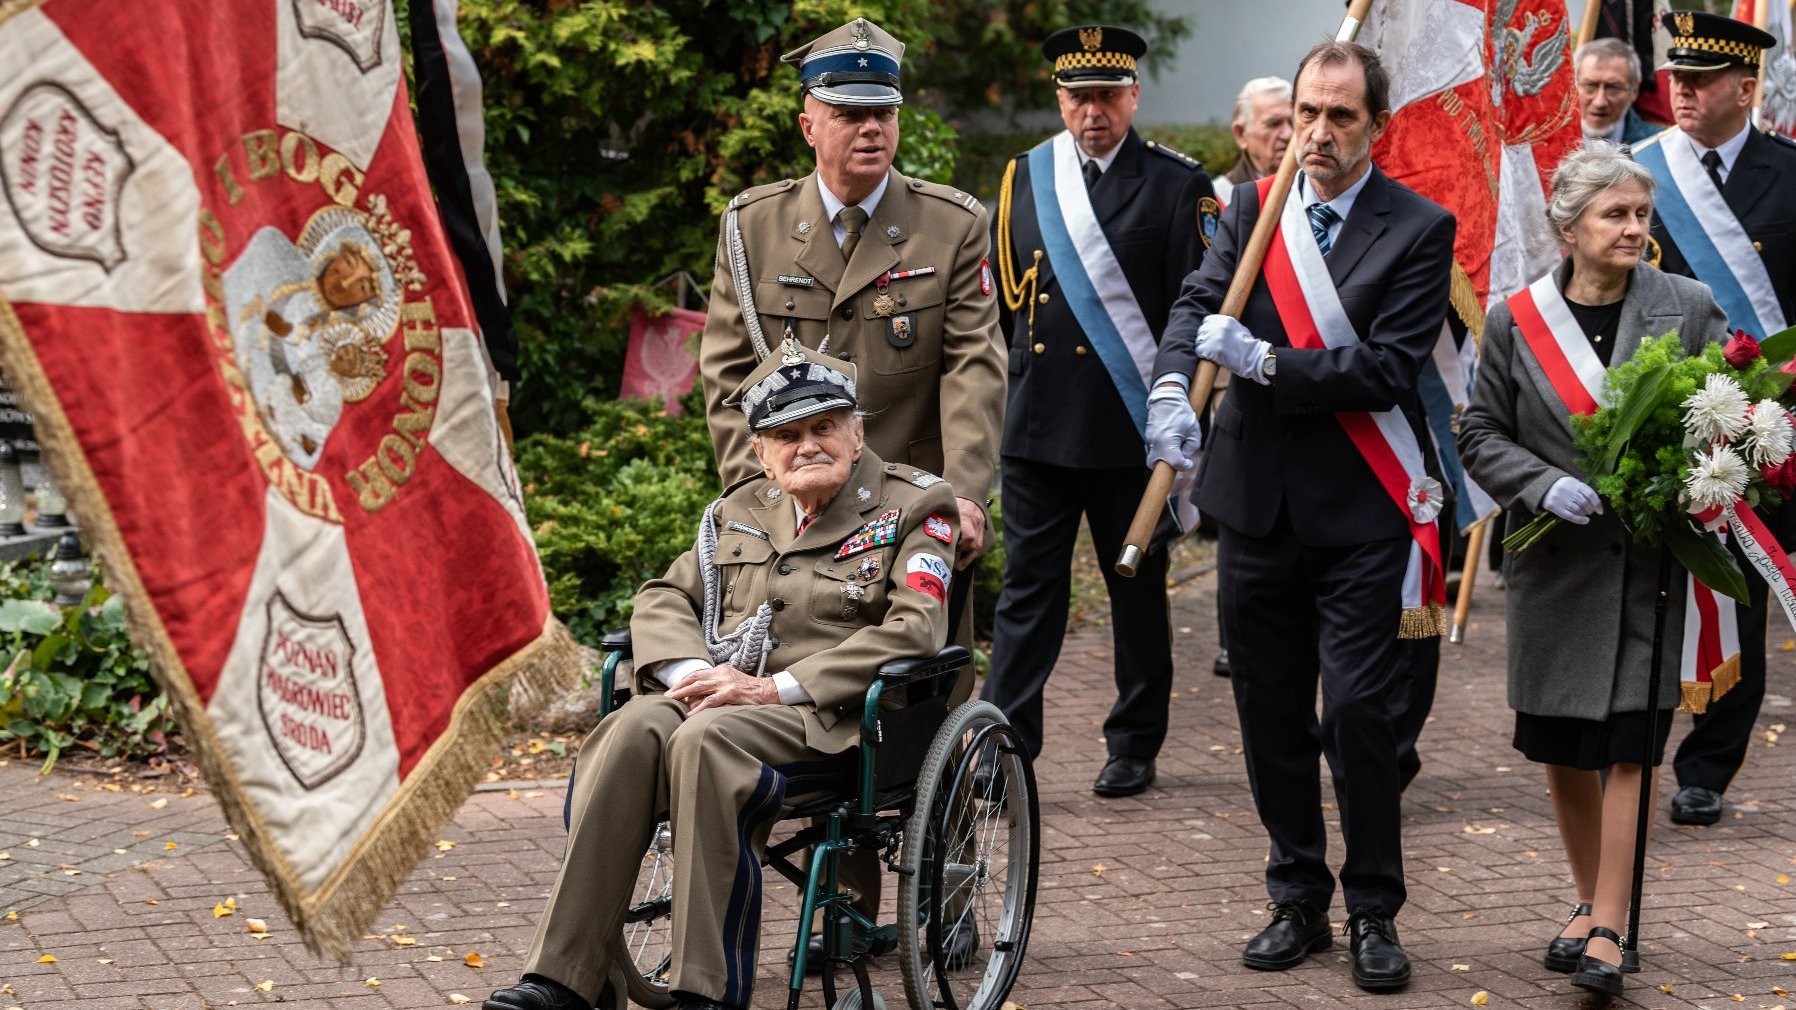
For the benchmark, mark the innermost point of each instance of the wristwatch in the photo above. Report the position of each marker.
(1269, 369)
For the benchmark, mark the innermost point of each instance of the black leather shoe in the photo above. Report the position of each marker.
(1696, 805)
(1379, 963)
(1599, 976)
(686, 1002)
(1298, 929)
(874, 945)
(1563, 951)
(1124, 776)
(1221, 667)
(534, 992)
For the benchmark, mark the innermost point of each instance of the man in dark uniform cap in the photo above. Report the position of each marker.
(1726, 216)
(1096, 230)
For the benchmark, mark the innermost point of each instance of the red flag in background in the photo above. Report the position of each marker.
(661, 362)
(1777, 107)
(226, 296)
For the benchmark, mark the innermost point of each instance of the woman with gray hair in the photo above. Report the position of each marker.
(1580, 602)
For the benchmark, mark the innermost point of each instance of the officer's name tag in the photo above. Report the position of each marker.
(798, 280)
(736, 527)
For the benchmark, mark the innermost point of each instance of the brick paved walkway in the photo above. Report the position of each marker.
(1144, 902)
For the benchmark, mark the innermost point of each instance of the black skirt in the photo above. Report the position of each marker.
(1589, 744)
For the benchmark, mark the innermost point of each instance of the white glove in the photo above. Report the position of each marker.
(1172, 431)
(1572, 500)
(1224, 340)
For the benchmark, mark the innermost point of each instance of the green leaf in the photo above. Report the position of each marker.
(34, 616)
(1703, 556)
(1634, 411)
(1779, 347)
(113, 613)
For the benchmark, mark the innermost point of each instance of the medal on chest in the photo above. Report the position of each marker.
(881, 531)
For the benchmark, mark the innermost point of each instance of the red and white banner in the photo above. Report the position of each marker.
(226, 296)
(661, 361)
(1777, 106)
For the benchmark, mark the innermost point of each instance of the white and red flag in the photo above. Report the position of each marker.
(226, 296)
(1777, 105)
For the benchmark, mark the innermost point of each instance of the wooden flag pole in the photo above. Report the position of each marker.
(1247, 270)
(1468, 574)
(1587, 30)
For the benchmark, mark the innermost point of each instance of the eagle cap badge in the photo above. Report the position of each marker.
(1092, 38)
(1686, 22)
(863, 38)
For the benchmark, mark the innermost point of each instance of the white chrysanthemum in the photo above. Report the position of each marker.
(1718, 410)
(1719, 478)
(1770, 433)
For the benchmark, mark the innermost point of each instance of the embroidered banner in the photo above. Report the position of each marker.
(225, 294)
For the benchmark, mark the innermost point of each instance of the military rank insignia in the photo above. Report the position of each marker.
(881, 531)
(937, 526)
(1209, 215)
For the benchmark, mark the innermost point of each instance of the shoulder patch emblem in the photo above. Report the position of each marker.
(881, 531)
(935, 525)
(985, 276)
(1209, 215)
(923, 478)
(929, 575)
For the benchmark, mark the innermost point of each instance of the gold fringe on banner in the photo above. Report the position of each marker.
(1698, 694)
(1427, 621)
(8, 8)
(1465, 302)
(334, 916)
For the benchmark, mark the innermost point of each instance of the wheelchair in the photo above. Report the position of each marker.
(946, 797)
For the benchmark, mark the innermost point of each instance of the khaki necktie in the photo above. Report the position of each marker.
(853, 219)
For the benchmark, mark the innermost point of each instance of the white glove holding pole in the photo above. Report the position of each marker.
(1172, 431)
(1224, 340)
(1572, 500)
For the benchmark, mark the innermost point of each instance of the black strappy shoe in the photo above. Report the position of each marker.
(1595, 975)
(1563, 951)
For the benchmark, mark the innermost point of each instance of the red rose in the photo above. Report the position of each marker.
(1741, 350)
(1783, 476)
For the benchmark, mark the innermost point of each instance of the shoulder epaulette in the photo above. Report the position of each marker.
(744, 482)
(921, 478)
(965, 201)
(1179, 156)
(753, 193)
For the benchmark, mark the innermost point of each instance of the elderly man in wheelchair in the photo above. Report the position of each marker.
(792, 665)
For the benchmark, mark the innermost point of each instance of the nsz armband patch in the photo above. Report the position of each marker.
(929, 575)
(985, 276)
(881, 531)
(937, 526)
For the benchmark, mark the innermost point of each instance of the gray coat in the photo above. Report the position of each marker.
(1580, 601)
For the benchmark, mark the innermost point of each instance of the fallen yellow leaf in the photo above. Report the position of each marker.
(12, 917)
(405, 941)
(1098, 870)
(159, 804)
(265, 986)
(1665, 987)
(231, 903)
(433, 957)
(372, 983)
(256, 925)
(47, 959)
(458, 998)
(445, 846)
(1480, 998)
(1737, 998)
(219, 911)
(169, 846)
(1789, 955)
(1783, 878)
(1778, 990)
(474, 960)
(1462, 967)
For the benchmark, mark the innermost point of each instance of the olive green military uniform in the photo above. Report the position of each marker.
(936, 404)
(846, 597)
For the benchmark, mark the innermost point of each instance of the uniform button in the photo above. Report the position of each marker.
(903, 300)
(1079, 350)
(1757, 247)
(790, 303)
(1042, 298)
(778, 604)
(847, 312)
(1039, 348)
(785, 569)
(845, 356)
(736, 550)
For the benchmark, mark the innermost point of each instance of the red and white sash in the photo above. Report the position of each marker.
(1710, 664)
(1310, 309)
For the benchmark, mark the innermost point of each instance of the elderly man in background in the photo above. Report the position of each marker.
(1262, 128)
(1608, 76)
(753, 658)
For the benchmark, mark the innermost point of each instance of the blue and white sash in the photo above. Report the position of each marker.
(1711, 238)
(1090, 277)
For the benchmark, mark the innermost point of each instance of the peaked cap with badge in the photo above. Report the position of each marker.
(1702, 41)
(791, 385)
(913, 308)
(1094, 56)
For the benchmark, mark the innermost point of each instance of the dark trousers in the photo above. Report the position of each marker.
(1715, 747)
(1420, 666)
(1296, 615)
(1042, 505)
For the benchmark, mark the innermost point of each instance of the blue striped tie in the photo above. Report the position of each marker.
(1321, 217)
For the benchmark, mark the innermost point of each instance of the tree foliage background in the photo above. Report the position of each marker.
(618, 129)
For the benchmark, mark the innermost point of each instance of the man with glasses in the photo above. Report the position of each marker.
(1608, 83)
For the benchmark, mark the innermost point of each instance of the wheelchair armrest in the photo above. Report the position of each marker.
(616, 641)
(617, 644)
(899, 672)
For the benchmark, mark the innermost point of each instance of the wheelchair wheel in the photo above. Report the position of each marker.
(643, 954)
(968, 869)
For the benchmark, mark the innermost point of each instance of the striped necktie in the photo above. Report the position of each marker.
(1322, 216)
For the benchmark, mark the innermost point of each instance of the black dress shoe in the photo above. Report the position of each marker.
(1124, 776)
(1696, 805)
(1221, 667)
(1379, 963)
(534, 992)
(1298, 929)
(1563, 951)
(884, 941)
(1598, 976)
(688, 1002)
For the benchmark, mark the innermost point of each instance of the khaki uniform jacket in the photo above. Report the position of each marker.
(829, 636)
(937, 404)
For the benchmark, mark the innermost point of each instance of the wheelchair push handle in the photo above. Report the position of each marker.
(898, 672)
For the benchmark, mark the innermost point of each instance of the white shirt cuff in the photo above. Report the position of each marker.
(791, 691)
(671, 671)
(1183, 380)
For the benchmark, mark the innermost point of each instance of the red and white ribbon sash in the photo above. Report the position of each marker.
(1310, 309)
(1711, 627)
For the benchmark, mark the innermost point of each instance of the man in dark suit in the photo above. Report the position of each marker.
(1714, 64)
(1314, 548)
(1096, 229)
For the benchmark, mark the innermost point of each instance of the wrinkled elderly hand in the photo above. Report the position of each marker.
(973, 534)
(1572, 500)
(724, 685)
(1224, 340)
(1173, 434)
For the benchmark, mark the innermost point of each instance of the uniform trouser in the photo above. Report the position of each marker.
(1711, 754)
(722, 778)
(1420, 670)
(1297, 614)
(1042, 505)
